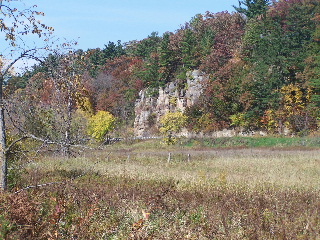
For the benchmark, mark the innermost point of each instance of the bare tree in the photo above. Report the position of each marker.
(68, 95)
(17, 23)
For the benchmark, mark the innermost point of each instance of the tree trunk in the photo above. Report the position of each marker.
(67, 141)
(3, 158)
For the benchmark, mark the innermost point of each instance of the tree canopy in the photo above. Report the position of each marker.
(254, 59)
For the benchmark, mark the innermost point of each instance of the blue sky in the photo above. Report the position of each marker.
(96, 22)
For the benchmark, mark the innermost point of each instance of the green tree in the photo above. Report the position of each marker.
(167, 62)
(150, 72)
(189, 50)
(146, 47)
(252, 8)
(148, 51)
(112, 51)
(312, 71)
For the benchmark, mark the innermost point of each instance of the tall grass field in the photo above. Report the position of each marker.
(236, 188)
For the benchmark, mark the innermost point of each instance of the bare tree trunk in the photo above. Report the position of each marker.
(67, 141)
(3, 158)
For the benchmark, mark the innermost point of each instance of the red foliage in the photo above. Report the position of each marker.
(109, 91)
(228, 29)
(282, 8)
(40, 89)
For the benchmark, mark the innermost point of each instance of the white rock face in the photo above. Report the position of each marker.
(148, 110)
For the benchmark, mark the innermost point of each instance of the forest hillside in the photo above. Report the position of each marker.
(260, 65)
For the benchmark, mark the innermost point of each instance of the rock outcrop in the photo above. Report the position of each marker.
(172, 97)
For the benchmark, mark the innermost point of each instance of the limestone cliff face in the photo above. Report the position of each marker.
(148, 110)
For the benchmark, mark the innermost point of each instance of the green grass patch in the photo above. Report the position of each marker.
(228, 142)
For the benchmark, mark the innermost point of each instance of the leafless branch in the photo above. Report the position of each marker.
(25, 54)
(37, 186)
(15, 142)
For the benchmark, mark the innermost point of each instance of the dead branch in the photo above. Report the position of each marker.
(37, 186)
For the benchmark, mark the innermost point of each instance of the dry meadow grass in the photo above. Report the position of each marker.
(134, 192)
(251, 167)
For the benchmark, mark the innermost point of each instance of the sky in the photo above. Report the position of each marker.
(94, 23)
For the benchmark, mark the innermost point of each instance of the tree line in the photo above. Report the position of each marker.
(261, 62)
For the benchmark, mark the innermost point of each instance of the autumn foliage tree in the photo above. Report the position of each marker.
(116, 88)
(171, 124)
(100, 124)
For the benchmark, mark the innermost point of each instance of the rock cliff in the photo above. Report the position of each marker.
(172, 97)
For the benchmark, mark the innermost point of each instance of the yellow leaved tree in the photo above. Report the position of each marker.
(295, 103)
(293, 113)
(172, 123)
(100, 124)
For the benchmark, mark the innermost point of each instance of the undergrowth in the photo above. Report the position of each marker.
(110, 207)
